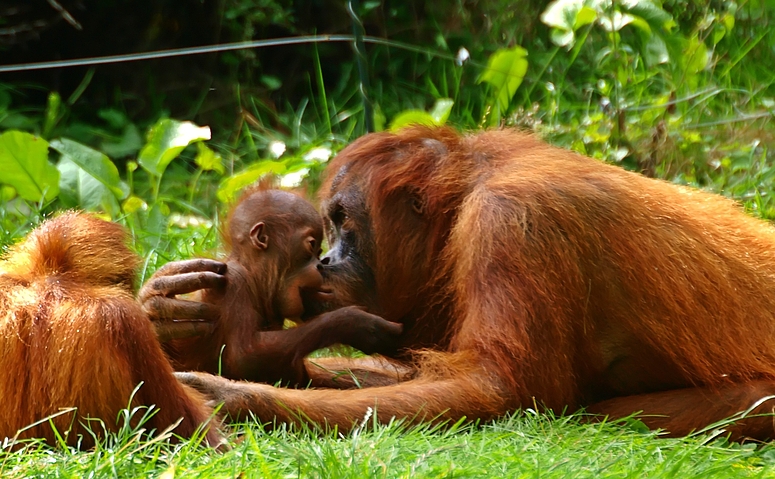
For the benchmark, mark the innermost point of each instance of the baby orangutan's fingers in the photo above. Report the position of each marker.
(160, 308)
(198, 265)
(169, 330)
(183, 283)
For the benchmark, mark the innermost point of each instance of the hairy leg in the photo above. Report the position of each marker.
(353, 373)
(467, 395)
(682, 411)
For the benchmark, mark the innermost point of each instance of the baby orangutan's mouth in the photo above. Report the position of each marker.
(317, 301)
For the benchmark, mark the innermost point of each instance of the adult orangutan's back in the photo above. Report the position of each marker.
(639, 285)
(540, 276)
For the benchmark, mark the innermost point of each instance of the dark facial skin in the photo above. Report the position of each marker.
(347, 266)
(396, 284)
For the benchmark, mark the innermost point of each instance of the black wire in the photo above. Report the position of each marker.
(225, 47)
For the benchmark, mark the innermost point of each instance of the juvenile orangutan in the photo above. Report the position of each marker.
(72, 335)
(272, 271)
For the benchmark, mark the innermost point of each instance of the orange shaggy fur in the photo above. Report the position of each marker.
(538, 276)
(72, 335)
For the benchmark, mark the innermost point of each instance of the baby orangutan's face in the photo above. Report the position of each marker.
(304, 279)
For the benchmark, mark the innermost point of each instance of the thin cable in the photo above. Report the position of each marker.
(225, 47)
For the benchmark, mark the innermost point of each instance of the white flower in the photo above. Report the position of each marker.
(462, 56)
(277, 148)
(319, 154)
(292, 180)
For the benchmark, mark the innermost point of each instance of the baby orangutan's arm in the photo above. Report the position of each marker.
(279, 355)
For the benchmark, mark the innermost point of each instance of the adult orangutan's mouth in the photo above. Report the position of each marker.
(324, 294)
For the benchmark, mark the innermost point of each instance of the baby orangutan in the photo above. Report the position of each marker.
(271, 273)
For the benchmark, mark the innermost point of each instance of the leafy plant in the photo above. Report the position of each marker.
(25, 166)
(89, 180)
(436, 117)
(166, 140)
(504, 73)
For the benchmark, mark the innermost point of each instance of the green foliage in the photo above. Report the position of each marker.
(436, 117)
(25, 166)
(230, 186)
(504, 73)
(166, 140)
(208, 160)
(90, 164)
(638, 83)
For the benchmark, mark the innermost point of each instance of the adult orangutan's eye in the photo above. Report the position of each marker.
(339, 216)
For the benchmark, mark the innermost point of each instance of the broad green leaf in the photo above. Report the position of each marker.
(79, 189)
(718, 33)
(585, 16)
(441, 110)
(562, 38)
(128, 145)
(411, 117)
(723, 27)
(229, 187)
(133, 203)
(505, 70)
(156, 222)
(562, 13)
(166, 140)
(649, 11)
(695, 58)
(7, 193)
(729, 21)
(567, 16)
(616, 21)
(641, 25)
(207, 159)
(24, 165)
(655, 51)
(93, 163)
(117, 119)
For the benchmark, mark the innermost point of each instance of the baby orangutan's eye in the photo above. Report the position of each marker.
(313, 247)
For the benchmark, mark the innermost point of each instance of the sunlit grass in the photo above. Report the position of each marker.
(527, 445)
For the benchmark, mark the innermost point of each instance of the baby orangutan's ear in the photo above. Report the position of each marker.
(258, 237)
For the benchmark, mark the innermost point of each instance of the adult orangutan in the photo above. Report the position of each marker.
(273, 268)
(538, 276)
(72, 335)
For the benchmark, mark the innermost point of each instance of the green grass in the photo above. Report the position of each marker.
(527, 445)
